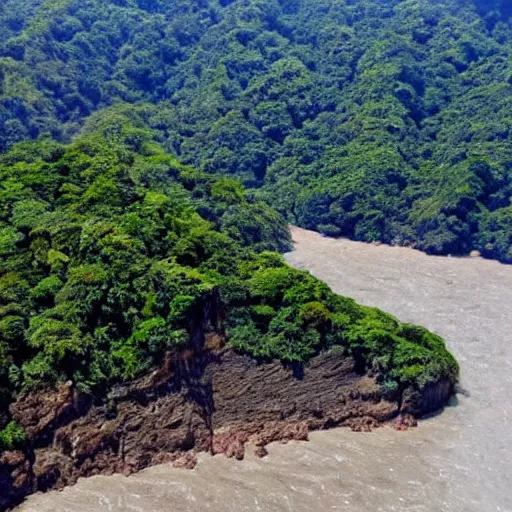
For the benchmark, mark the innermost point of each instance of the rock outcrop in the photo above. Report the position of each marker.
(211, 399)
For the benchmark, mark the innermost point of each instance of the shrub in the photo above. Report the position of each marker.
(12, 437)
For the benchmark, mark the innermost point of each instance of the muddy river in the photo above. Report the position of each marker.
(460, 460)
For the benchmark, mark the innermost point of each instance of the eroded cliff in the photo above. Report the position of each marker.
(212, 400)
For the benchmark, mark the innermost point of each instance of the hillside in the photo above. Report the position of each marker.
(151, 156)
(142, 305)
(375, 119)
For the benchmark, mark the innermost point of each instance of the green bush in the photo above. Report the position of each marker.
(100, 284)
(289, 315)
(12, 437)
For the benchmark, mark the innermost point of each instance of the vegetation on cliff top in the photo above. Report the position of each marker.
(152, 152)
(376, 119)
(108, 247)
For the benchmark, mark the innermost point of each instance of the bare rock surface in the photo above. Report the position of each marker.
(207, 401)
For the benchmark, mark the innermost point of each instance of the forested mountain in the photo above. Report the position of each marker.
(376, 119)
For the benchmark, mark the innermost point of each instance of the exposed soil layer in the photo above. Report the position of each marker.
(208, 401)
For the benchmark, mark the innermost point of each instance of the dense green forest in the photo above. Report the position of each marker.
(381, 120)
(110, 249)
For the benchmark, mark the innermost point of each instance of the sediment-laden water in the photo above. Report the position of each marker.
(460, 460)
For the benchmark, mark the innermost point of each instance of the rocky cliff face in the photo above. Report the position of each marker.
(206, 398)
(213, 400)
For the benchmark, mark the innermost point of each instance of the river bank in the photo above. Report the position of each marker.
(457, 461)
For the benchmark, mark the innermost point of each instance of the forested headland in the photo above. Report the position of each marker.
(111, 251)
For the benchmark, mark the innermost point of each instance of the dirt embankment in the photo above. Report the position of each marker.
(206, 399)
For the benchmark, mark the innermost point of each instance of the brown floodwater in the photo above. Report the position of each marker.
(459, 460)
